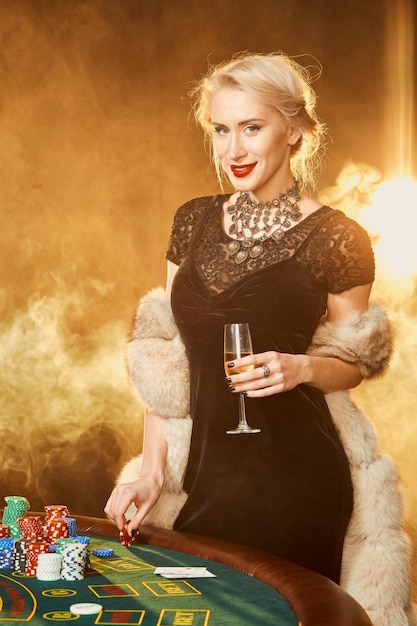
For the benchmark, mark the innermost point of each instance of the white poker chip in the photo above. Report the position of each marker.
(86, 608)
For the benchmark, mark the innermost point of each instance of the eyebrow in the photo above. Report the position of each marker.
(243, 122)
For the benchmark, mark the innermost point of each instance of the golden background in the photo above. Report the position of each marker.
(97, 152)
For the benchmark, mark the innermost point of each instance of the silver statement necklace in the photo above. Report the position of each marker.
(272, 219)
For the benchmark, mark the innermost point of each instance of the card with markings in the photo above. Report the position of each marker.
(184, 572)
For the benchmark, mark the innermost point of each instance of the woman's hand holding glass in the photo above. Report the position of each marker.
(270, 373)
(237, 343)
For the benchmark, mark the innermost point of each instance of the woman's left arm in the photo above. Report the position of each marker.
(328, 374)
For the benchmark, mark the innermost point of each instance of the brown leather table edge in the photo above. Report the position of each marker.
(316, 600)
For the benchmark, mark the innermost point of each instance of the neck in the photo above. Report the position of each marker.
(264, 196)
(291, 190)
(254, 221)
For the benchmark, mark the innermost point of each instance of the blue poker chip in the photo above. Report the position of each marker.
(103, 552)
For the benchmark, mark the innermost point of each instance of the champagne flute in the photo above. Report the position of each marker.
(237, 344)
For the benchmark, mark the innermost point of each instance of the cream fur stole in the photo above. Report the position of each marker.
(376, 559)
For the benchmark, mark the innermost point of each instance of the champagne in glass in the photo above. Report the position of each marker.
(237, 344)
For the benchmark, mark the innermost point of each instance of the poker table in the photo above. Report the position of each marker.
(248, 587)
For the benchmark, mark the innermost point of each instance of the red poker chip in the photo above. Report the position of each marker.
(125, 538)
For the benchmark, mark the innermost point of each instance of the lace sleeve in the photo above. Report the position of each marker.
(347, 258)
(185, 221)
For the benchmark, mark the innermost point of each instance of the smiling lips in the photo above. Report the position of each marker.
(240, 171)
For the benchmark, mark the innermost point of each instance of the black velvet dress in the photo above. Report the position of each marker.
(286, 490)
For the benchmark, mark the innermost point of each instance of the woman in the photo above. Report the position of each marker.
(272, 256)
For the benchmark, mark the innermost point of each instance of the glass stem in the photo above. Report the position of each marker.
(242, 411)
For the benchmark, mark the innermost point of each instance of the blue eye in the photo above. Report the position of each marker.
(220, 130)
(252, 129)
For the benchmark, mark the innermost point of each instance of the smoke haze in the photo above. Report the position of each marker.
(98, 151)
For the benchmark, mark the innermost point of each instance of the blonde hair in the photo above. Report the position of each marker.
(277, 81)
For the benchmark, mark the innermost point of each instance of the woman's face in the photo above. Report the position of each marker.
(252, 143)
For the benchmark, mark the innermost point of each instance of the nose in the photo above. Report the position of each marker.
(236, 147)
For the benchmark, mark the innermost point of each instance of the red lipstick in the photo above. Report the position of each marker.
(240, 171)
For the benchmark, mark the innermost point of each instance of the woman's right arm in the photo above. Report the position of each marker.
(145, 490)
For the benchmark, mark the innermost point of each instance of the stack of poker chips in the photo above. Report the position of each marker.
(72, 525)
(6, 552)
(4, 531)
(33, 550)
(55, 510)
(19, 555)
(86, 541)
(16, 507)
(49, 566)
(31, 527)
(56, 528)
(74, 560)
(49, 551)
(63, 541)
(103, 552)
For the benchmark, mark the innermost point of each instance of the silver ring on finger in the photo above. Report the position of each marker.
(266, 370)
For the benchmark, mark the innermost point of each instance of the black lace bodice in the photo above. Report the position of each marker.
(334, 248)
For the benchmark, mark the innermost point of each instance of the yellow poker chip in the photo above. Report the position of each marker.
(86, 608)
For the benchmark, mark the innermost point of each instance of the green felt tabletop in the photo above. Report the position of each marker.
(130, 593)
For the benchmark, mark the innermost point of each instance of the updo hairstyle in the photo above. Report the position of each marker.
(274, 80)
